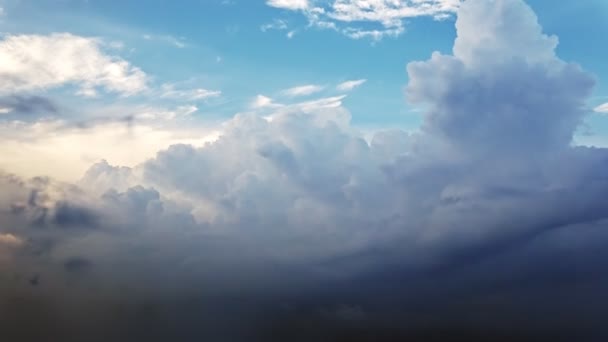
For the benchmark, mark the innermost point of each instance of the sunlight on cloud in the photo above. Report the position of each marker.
(65, 153)
(26, 65)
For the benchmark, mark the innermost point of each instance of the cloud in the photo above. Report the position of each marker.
(521, 75)
(350, 85)
(65, 150)
(26, 105)
(329, 237)
(304, 90)
(288, 4)
(170, 91)
(262, 101)
(390, 13)
(350, 17)
(10, 240)
(26, 65)
(603, 108)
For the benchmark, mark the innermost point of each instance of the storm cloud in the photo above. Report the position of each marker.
(487, 224)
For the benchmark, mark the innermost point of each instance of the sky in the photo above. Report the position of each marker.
(297, 170)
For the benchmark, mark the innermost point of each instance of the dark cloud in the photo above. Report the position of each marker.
(77, 265)
(486, 225)
(68, 215)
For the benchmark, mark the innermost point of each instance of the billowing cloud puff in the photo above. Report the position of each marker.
(503, 90)
(487, 220)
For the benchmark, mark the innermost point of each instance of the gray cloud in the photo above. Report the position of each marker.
(18, 104)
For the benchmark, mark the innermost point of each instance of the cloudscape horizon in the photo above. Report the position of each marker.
(303, 170)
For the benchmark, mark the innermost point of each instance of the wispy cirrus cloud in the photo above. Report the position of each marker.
(303, 90)
(350, 85)
(352, 17)
(603, 108)
(171, 91)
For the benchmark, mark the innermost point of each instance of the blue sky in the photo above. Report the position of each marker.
(222, 45)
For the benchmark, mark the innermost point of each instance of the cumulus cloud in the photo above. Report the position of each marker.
(486, 224)
(65, 150)
(26, 65)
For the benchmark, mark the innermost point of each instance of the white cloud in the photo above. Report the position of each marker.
(375, 35)
(390, 13)
(350, 85)
(169, 91)
(304, 90)
(32, 62)
(167, 114)
(288, 4)
(603, 108)
(262, 101)
(345, 16)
